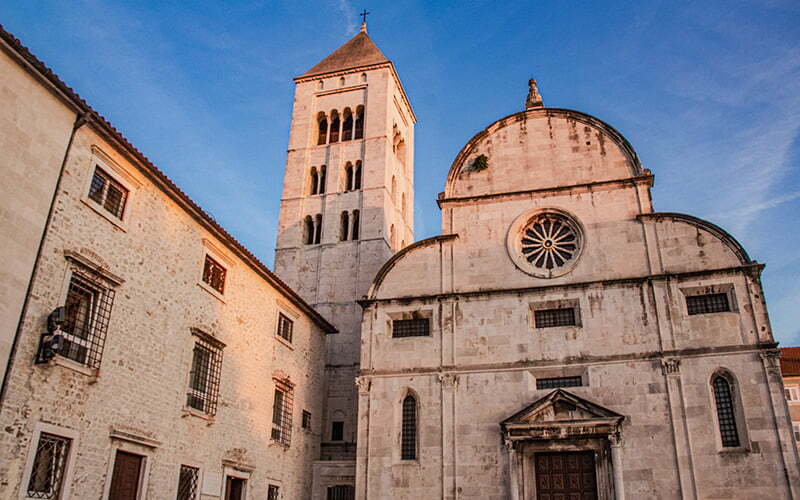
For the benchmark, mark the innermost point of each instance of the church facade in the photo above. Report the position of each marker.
(559, 340)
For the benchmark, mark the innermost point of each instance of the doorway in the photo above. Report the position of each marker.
(234, 488)
(126, 476)
(566, 475)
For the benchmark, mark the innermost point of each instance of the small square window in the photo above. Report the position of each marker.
(707, 304)
(108, 193)
(417, 327)
(49, 464)
(204, 377)
(214, 274)
(188, 483)
(337, 431)
(548, 318)
(272, 492)
(87, 314)
(285, 327)
(306, 420)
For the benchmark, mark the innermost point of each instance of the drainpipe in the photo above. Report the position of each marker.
(82, 119)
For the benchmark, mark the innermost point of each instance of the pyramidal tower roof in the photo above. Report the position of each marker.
(359, 51)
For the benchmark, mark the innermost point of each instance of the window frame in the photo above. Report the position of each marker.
(118, 174)
(713, 289)
(216, 253)
(792, 393)
(69, 463)
(305, 422)
(401, 449)
(556, 318)
(273, 488)
(198, 483)
(738, 413)
(282, 319)
(213, 379)
(284, 425)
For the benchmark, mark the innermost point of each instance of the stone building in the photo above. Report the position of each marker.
(561, 339)
(790, 370)
(155, 356)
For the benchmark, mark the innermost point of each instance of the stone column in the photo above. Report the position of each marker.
(683, 446)
(616, 464)
(514, 471)
(362, 451)
(449, 383)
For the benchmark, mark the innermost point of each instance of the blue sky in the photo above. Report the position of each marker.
(707, 92)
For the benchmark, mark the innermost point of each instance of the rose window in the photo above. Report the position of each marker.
(549, 242)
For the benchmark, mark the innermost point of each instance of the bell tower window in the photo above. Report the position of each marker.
(322, 127)
(359, 126)
(333, 135)
(347, 125)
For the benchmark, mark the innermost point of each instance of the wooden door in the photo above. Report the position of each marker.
(125, 479)
(566, 476)
(234, 488)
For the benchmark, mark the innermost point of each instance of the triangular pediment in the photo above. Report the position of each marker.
(561, 406)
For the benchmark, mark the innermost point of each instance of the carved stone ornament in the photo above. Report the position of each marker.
(363, 384)
(671, 366)
(772, 360)
(448, 380)
(534, 99)
(545, 243)
(616, 440)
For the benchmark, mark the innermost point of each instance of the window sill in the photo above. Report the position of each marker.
(188, 411)
(92, 373)
(104, 213)
(738, 450)
(214, 293)
(284, 342)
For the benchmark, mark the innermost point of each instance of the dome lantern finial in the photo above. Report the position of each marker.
(534, 99)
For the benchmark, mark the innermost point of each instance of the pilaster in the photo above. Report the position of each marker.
(671, 368)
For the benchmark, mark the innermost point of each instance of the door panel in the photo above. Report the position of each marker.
(566, 476)
(125, 479)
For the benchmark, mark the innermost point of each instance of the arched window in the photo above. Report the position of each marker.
(403, 206)
(357, 183)
(341, 82)
(317, 229)
(347, 125)
(314, 181)
(308, 231)
(391, 236)
(363, 77)
(333, 136)
(726, 411)
(322, 122)
(322, 179)
(359, 129)
(403, 244)
(408, 439)
(348, 174)
(394, 188)
(344, 226)
(356, 216)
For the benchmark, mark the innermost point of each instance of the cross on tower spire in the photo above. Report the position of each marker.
(364, 20)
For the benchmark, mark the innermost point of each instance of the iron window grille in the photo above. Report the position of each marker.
(108, 192)
(49, 464)
(706, 304)
(204, 377)
(306, 420)
(285, 327)
(214, 274)
(337, 431)
(187, 483)
(341, 492)
(725, 412)
(417, 327)
(556, 382)
(87, 314)
(408, 445)
(549, 318)
(282, 413)
(272, 492)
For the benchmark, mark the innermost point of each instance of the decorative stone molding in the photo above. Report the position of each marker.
(448, 380)
(616, 440)
(134, 436)
(363, 384)
(772, 360)
(671, 366)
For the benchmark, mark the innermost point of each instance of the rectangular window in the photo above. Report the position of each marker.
(418, 327)
(555, 382)
(87, 313)
(49, 464)
(337, 431)
(306, 420)
(796, 429)
(548, 318)
(272, 492)
(282, 413)
(792, 393)
(214, 274)
(285, 327)
(108, 192)
(706, 304)
(204, 377)
(187, 483)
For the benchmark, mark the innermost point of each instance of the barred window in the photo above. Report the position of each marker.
(272, 492)
(87, 313)
(108, 192)
(555, 382)
(214, 274)
(548, 318)
(337, 431)
(725, 412)
(204, 377)
(408, 445)
(49, 464)
(709, 303)
(418, 327)
(341, 492)
(187, 483)
(306, 419)
(285, 327)
(282, 413)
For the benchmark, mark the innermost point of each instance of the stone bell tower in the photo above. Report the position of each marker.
(347, 205)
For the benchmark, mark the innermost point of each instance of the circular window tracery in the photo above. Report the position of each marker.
(545, 243)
